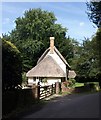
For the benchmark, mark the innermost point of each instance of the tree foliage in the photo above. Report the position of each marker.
(85, 61)
(32, 33)
(94, 12)
(11, 65)
(98, 47)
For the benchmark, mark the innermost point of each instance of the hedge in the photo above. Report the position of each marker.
(11, 65)
(83, 79)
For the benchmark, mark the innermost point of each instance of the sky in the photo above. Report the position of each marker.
(71, 15)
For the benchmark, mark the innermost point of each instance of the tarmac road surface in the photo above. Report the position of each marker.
(69, 106)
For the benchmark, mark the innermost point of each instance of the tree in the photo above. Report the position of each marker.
(98, 47)
(66, 48)
(76, 50)
(94, 12)
(11, 65)
(32, 33)
(85, 61)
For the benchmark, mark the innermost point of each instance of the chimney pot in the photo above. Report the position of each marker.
(51, 45)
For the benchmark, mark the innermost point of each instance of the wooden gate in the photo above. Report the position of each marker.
(46, 91)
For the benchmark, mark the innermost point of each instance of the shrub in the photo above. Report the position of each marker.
(11, 66)
(66, 83)
(98, 77)
(24, 78)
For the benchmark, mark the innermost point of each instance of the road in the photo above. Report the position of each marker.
(69, 106)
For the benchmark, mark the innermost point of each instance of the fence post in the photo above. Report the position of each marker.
(52, 89)
(57, 87)
(36, 91)
(63, 87)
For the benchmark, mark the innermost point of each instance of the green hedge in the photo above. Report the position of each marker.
(83, 79)
(11, 65)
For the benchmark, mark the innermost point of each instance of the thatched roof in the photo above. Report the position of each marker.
(58, 53)
(47, 67)
(71, 74)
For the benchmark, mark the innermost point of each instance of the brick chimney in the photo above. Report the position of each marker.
(51, 45)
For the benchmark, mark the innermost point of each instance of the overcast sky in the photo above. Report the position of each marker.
(71, 15)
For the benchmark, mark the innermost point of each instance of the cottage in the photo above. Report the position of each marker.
(51, 67)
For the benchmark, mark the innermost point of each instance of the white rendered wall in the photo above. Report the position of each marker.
(58, 60)
(53, 80)
(50, 81)
(31, 81)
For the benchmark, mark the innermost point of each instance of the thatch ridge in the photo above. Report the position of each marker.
(59, 54)
(43, 55)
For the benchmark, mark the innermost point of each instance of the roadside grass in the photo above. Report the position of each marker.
(78, 85)
(65, 93)
(82, 89)
(81, 93)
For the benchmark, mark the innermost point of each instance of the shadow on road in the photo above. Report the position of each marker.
(67, 103)
(29, 110)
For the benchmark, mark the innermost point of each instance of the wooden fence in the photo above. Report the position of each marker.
(47, 91)
(41, 92)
